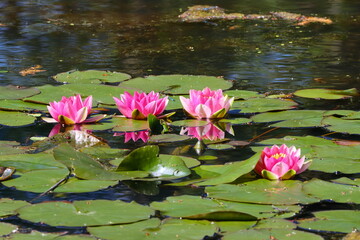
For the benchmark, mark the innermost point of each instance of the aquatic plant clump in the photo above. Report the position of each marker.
(281, 162)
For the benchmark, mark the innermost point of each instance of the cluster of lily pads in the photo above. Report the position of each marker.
(238, 204)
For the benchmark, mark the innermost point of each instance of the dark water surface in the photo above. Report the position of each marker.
(146, 37)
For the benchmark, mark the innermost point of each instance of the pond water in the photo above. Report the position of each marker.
(143, 38)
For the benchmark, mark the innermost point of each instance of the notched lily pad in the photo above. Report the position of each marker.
(350, 126)
(91, 76)
(320, 93)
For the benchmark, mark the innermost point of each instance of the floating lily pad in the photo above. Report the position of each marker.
(263, 191)
(189, 123)
(269, 233)
(174, 102)
(243, 94)
(101, 93)
(35, 235)
(83, 166)
(15, 119)
(168, 138)
(336, 124)
(38, 180)
(175, 84)
(255, 105)
(333, 221)
(74, 185)
(189, 161)
(332, 191)
(91, 76)
(151, 229)
(10, 147)
(122, 124)
(220, 147)
(13, 92)
(195, 207)
(230, 172)
(326, 93)
(8, 206)
(85, 213)
(292, 119)
(6, 228)
(345, 180)
(235, 121)
(19, 105)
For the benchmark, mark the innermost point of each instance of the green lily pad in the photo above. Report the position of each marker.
(332, 191)
(37, 180)
(230, 172)
(6, 228)
(263, 191)
(243, 94)
(35, 235)
(220, 146)
(189, 123)
(83, 166)
(15, 119)
(291, 119)
(10, 147)
(151, 229)
(175, 84)
(74, 185)
(320, 93)
(189, 161)
(195, 207)
(19, 105)
(333, 221)
(235, 121)
(105, 153)
(85, 213)
(345, 180)
(276, 222)
(336, 124)
(13, 92)
(255, 105)
(269, 233)
(122, 124)
(101, 93)
(91, 76)
(8, 206)
(29, 162)
(174, 102)
(146, 159)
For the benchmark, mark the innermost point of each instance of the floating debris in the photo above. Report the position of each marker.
(203, 13)
(32, 70)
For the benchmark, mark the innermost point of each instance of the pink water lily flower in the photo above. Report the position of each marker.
(206, 104)
(281, 162)
(140, 105)
(72, 110)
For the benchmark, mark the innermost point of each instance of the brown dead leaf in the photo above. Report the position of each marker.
(347, 142)
(309, 20)
(31, 70)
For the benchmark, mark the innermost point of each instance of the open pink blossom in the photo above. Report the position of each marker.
(206, 104)
(72, 110)
(140, 105)
(281, 162)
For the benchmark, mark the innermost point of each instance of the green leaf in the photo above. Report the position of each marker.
(91, 76)
(255, 105)
(332, 191)
(342, 125)
(122, 124)
(13, 92)
(83, 166)
(320, 93)
(263, 191)
(85, 213)
(141, 159)
(195, 207)
(189, 123)
(333, 221)
(243, 94)
(154, 124)
(74, 185)
(15, 119)
(6, 228)
(175, 84)
(168, 138)
(19, 105)
(8, 206)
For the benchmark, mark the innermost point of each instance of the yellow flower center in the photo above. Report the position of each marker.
(278, 155)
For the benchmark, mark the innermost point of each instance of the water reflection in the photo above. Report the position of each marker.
(135, 136)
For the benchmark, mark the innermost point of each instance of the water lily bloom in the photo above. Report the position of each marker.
(140, 105)
(206, 104)
(72, 110)
(281, 162)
